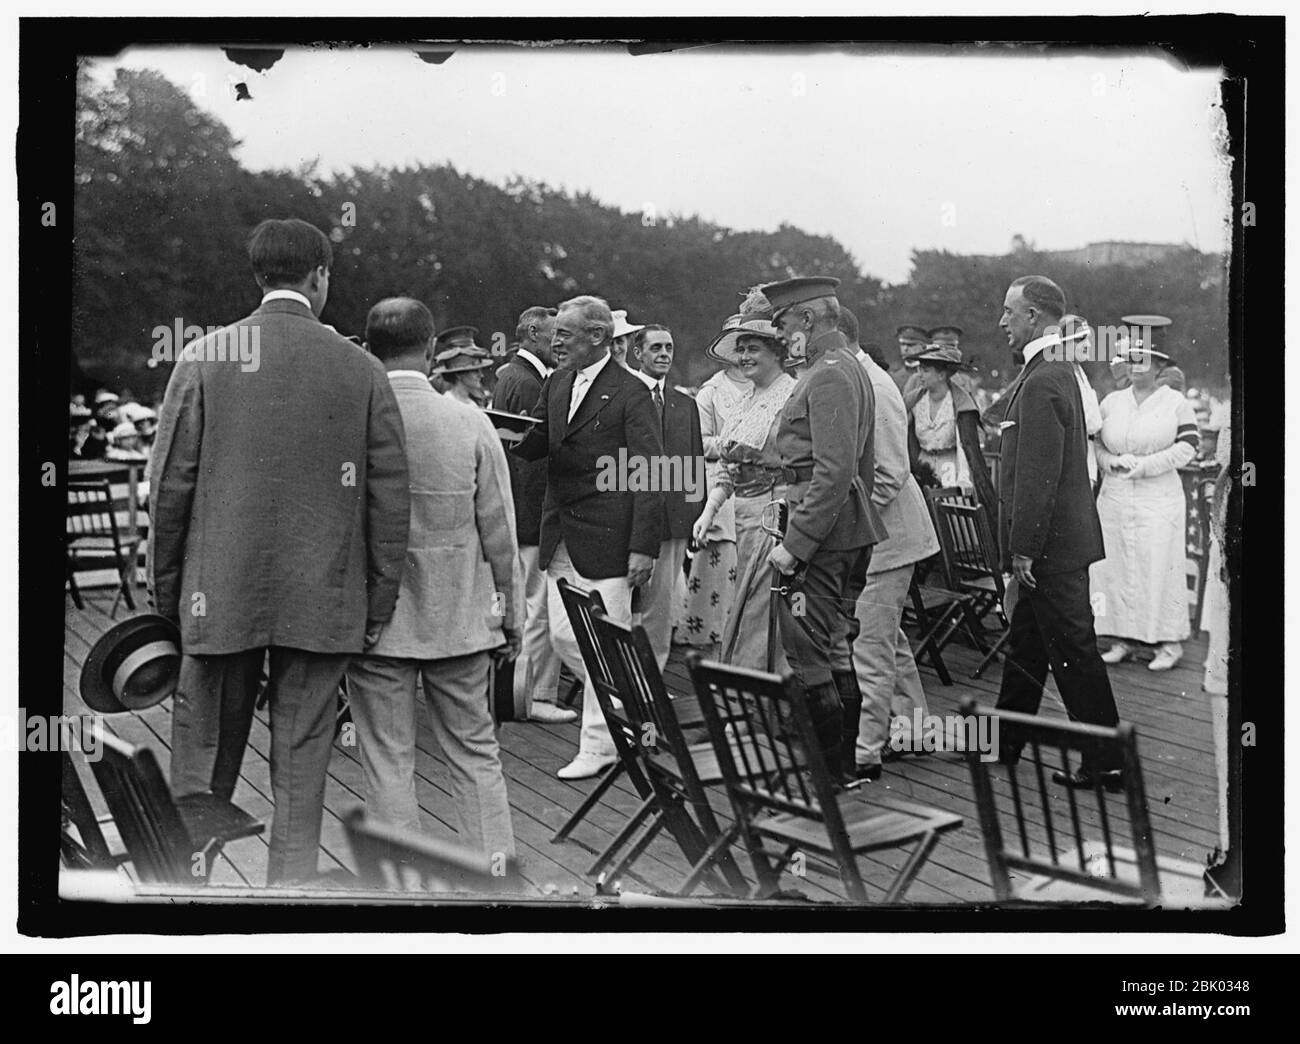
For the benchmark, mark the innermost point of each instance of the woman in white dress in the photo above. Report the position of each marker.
(703, 609)
(1139, 591)
(751, 478)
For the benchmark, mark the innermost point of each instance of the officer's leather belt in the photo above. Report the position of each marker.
(758, 474)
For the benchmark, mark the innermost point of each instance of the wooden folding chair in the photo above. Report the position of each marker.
(167, 840)
(580, 605)
(782, 793)
(960, 554)
(92, 540)
(1069, 855)
(395, 860)
(81, 837)
(974, 568)
(678, 772)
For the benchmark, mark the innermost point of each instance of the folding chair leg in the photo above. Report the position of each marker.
(912, 867)
(623, 836)
(713, 855)
(581, 812)
(128, 580)
(992, 654)
(651, 831)
(73, 589)
(931, 643)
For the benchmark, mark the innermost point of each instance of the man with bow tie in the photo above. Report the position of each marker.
(598, 539)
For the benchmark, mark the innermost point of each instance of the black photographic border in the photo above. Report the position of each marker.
(1249, 49)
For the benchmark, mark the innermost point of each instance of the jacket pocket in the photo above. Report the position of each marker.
(440, 519)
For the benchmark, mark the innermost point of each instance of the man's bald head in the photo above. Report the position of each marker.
(398, 327)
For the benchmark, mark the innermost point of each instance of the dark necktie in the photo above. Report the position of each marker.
(659, 404)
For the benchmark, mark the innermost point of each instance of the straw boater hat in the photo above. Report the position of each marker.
(134, 665)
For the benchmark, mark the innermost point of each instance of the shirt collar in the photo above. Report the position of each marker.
(589, 372)
(651, 382)
(1037, 345)
(408, 373)
(536, 363)
(285, 295)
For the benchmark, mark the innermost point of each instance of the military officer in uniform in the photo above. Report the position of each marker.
(912, 341)
(826, 440)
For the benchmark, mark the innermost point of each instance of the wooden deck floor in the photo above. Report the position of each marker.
(1169, 711)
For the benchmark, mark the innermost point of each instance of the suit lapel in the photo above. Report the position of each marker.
(561, 392)
(1025, 371)
(602, 391)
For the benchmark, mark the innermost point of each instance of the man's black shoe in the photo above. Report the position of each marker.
(868, 773)
(1111, 779)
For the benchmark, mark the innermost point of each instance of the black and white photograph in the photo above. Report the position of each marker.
(794, 468)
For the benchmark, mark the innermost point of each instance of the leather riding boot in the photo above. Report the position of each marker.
(824, 707)
(846, 683)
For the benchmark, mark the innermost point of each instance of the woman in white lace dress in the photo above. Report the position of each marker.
(1139, 591)
(751, 477)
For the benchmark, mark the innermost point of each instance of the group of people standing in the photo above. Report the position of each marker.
(331, 514)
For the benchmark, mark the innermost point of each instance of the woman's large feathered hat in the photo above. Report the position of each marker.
(753, 320)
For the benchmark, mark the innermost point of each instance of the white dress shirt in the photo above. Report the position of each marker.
(582, 383)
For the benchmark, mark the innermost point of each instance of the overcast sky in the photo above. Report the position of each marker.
(886, 152)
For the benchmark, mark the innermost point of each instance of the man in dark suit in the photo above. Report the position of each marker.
(827, 442)
(519, 383)
(281, 512)
(682, 480)
(596, 532)
(1050, 531)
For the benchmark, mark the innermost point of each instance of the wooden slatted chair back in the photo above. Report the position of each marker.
(147, 819)
(90, 512)
(971, 549)
(767, 747)
(87, 849)
(394, 860)
(1064, 847)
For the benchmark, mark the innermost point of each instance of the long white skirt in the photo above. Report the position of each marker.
(1139, 591)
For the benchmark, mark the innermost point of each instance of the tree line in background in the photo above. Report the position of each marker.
(163, 211)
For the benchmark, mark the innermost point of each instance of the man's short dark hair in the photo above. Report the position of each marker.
(286, 252)
(530, 317)
(1043, 294)
(848, 324)
(397, 326)
(638, 338)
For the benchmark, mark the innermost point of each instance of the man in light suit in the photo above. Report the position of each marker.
(519, 383)
(461, 599)
(280, 521)
(595, 534)
(652, 350)
(1051, 532)
(887, 674)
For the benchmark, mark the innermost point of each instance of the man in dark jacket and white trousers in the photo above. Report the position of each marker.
(519, 383)
(281, 513)
(682, 481)
(596, 533)
(1050, 532)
